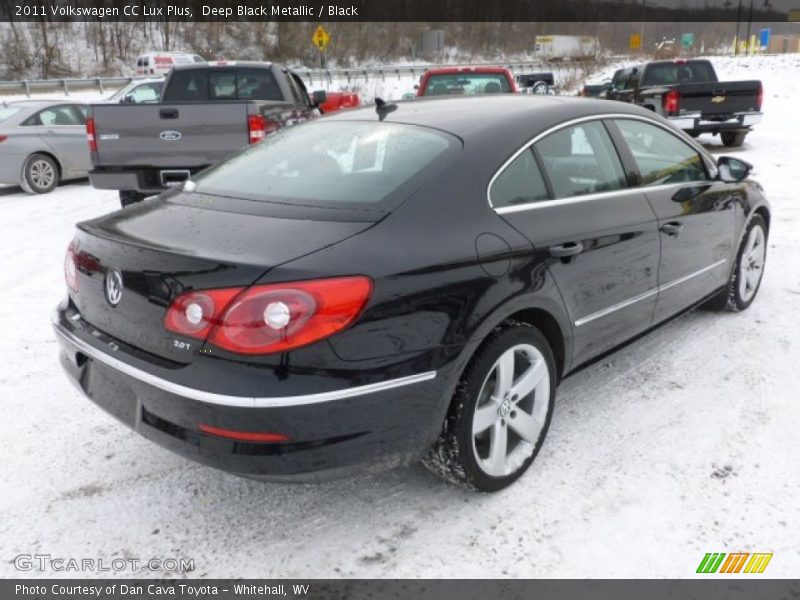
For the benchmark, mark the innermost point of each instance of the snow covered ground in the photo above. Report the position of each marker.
(682, 443)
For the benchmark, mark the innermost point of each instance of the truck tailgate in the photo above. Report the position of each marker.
(720, 98)
(168, 135)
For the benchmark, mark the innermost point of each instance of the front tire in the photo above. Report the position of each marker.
(733, 139)
(39, 174)
(500, 412)
(746, 275)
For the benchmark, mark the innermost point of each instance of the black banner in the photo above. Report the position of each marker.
(396, 10)
(713, 588)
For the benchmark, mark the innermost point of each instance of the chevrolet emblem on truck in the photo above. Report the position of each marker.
(718, 99)
(170, 136)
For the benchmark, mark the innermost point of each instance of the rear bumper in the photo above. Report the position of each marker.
(147, 180)
(698, 124)
(361, 428)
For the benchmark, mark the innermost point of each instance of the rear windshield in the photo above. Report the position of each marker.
(466, 84)
(6, 112)
(335, 164)
(201, 85)
(669, 73)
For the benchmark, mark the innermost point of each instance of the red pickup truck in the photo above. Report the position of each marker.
(466, 81)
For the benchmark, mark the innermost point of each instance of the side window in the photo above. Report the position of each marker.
(81, 111)
(520, 182)
(145, 93)
(581, 160)
(190, 85)
(660, 156)
(59, 115)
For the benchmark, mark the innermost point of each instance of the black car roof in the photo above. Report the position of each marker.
(476, 116)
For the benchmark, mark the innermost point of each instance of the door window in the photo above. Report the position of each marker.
(55, 116)
(521, 182)
(660, 156)
(581, 160)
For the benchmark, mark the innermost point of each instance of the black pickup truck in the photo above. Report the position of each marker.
(207, 111)
(688, 93)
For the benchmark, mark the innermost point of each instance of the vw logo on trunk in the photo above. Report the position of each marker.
(114, 287)
(170, 136)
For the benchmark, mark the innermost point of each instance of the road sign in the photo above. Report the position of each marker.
(687, 40)
(635, 42)
(763, 38)
(794, 15)
(321, 38)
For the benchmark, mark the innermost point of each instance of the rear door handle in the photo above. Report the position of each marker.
(168, 113)
(566, 249)
(672, 229)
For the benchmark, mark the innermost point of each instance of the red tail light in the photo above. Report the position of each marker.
(759, 96)
(672, 102)
(243, 436)
(269, 318)
(71, 267)
(259, 127)
(90, 135)
(3, 138)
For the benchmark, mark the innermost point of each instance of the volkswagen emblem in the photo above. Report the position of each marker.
(170, 136)
(113, 287)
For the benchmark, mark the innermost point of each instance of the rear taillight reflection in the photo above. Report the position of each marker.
(269, 318)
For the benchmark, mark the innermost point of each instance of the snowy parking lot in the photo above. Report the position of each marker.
(681, 443)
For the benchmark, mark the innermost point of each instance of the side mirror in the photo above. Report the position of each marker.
(127, 99)
(416, 86)
(320, 97)
(733, 170)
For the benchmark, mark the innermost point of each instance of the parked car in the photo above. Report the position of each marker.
(595, 90)
(466, 81)
(161, 63)
(261, 320)
(42, 142)
(535, 83)
(138, 91)
(688, 93)
(206, 112)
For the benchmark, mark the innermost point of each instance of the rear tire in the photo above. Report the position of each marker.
(733, 139)
(540, 88)
(40, 174)
(746, 275)
(500, 412)
(128, 197)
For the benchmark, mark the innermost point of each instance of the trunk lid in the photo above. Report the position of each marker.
(719, 99)
(162, 249)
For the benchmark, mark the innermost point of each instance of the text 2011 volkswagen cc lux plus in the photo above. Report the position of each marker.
(371, 289)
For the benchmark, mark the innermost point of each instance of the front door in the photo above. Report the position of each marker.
(695, 215)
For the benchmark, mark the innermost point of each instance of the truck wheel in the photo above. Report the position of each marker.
(39, 174)
(733, 139)
(500, 412)
(540, 88)
(128, 197)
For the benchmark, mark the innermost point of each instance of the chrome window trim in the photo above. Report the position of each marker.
(228, 400)
(625, 303)
(599, 195)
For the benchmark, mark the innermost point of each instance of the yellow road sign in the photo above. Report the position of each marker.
(321, 38)
(635, 42)
(794, 15)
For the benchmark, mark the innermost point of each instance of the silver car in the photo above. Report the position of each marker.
(43, 142)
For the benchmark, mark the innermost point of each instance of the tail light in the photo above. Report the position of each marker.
(71, 267)
(3, 138)
(672, 102)
(90, 135)
(759, 96)
(259, 127)
(269, 318)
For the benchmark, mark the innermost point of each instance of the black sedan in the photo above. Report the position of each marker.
(407, 282)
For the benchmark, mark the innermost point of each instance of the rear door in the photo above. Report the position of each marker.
(63, 129)
(696, 214)
(569, 195)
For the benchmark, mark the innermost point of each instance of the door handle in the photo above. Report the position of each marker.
(168, 113)
(566, 249)
(672, 229)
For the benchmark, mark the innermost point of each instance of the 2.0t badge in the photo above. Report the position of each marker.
(113, 287)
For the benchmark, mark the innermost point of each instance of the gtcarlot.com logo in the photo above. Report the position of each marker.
(46, 562)
(735, 562)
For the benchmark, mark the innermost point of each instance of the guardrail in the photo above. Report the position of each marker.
(312, 76)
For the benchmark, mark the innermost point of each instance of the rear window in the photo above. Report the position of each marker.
(670, 73)
(201, 85)
(466, 84)
(7, 112)
(342, 164)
